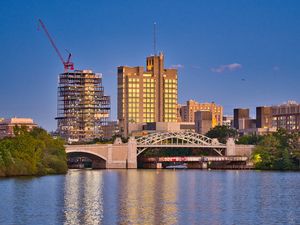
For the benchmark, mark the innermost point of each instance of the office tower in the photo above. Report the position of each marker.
(82, 106)
(147, 95)
(241, 118)
(263, 117)
(187, 112)
(203, 121)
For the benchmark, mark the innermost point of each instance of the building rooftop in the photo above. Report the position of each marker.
(288, 103)
(16, 120)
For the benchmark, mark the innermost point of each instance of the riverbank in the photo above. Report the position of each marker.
(33, 153)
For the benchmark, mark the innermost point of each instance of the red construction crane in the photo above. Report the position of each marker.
(68, 65)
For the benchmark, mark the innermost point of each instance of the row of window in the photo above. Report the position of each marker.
(134, 90)
(174, 86)
(133, 110)
(170, 111)
(133, 115)
(170, 100)
(170, 81)
(133, 105)
(171, 106)
(148, 105)
(151, 100)
(170, 95)
(148, 115)
(148, 120)
(151, 90)
(133, 79)
(133, 95)
(149, 85)
(130, 100)
(147, 95)
(170, 91)
(133, 85)
(148, 80)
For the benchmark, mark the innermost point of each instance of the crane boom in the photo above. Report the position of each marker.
(67, 64)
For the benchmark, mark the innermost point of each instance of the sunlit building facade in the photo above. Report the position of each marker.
(147, 95)
(7, 125)
(286, 116)
(187, 112)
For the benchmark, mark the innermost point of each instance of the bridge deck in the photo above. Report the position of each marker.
(196, 159)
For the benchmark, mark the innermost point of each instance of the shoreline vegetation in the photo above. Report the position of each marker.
(34, 153)
(274, 151)
(37, 153)
(277, 151)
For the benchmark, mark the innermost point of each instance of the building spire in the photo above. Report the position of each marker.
(154, 38)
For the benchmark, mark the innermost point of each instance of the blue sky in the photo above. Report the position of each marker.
(237, 53)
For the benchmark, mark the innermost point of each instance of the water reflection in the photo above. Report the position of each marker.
(148, 197)
(152, 197)
(83, 198)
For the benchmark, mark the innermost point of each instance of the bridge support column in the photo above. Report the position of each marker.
(109, 162)
(132, 154)
(204, 165)
(230, 147)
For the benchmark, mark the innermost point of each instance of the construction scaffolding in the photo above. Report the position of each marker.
(83, 109)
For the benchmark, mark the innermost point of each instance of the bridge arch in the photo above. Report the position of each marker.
(178, 139)
(98, 161)
(86, 152)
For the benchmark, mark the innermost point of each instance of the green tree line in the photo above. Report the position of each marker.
(32, 153)
(275, 151)
(278, 151)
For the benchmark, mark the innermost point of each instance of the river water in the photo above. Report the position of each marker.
(152, 197)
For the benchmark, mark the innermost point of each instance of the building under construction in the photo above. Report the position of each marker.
(83, 109)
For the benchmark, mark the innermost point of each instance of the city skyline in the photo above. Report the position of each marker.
(237, 54)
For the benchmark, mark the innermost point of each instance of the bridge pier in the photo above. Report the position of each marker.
(197, 165)
(204, 165)
(132, 154)
(230, 147)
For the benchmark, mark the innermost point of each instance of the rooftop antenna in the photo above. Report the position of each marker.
(154, 38)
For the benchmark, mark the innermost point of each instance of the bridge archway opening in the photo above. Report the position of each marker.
(82, 160)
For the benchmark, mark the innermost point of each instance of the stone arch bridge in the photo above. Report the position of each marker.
(124, 155)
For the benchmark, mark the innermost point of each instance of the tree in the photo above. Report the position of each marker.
(279, 151)
(31, 153)
(222, 133)
(249, 139)
(265, 152)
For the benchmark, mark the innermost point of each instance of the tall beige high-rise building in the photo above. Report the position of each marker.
(187, 112)
(147, 95)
